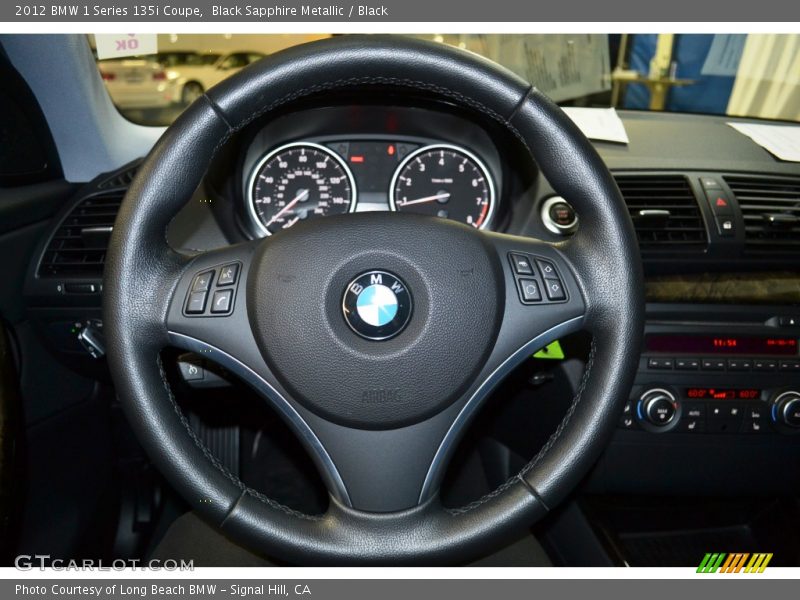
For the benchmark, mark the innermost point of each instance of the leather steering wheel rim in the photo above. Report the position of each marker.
(142, 274)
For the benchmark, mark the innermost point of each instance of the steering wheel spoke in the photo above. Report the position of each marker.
(208, 315)
(543, 303)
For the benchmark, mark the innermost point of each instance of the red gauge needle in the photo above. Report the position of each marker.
(301, 196)
(441, 196)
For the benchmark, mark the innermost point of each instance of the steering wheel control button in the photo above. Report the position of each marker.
(191, 370)
(377, 305)
(202, 281)
(196, 303)
(529, 288)
(522, 264)
(547, 269)
(221, 302)
(554, 289)
(549, 288)
(227, 274)
(212, 291)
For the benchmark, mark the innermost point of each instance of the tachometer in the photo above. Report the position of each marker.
(444, 181)
(299, 181)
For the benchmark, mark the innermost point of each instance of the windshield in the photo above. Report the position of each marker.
(755, 75)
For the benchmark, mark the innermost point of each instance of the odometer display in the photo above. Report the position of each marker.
(444, 181)
(299, 181)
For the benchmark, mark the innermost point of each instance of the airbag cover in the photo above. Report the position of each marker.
(295, 291)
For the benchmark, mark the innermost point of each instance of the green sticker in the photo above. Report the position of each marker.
(552, 351)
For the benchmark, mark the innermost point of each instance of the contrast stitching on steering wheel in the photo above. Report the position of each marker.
(355, 81)
(222, 468)
(541, 454)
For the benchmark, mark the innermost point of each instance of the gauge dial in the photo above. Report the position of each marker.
(299, 181)
(444, 181)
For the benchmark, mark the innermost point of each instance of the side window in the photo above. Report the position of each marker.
(251, 58)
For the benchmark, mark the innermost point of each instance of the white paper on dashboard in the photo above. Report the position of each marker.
(598, 123)
(781, 140)
(563, 66)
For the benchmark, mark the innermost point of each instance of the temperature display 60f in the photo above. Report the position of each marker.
(704, 393)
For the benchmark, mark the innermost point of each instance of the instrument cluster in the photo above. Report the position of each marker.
(315, 177)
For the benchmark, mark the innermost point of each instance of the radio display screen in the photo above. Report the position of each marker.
(714, 344)
(702, 393)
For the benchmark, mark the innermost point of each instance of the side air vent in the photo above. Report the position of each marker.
(771, 211)
(78, 247)
(120, 180)
(664, 211)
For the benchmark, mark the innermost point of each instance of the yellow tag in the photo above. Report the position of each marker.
(551, 351)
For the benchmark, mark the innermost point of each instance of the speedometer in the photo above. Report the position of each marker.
(299, 181)
(444, 181)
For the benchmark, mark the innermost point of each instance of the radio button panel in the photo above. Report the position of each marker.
(741, 365)
(723, 379)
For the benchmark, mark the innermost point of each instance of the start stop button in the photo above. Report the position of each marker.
(558, 216)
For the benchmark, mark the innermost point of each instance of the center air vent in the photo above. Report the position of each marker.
(771, 211)
(664, 211)
(78, 247)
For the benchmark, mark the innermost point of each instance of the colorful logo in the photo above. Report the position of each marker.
(377, 305)
(721, 562)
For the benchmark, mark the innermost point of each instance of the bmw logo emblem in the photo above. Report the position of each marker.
(377, 305)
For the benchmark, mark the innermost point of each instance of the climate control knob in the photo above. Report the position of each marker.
(658, 410)
(786, 409)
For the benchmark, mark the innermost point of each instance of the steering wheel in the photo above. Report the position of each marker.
(376, 336)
